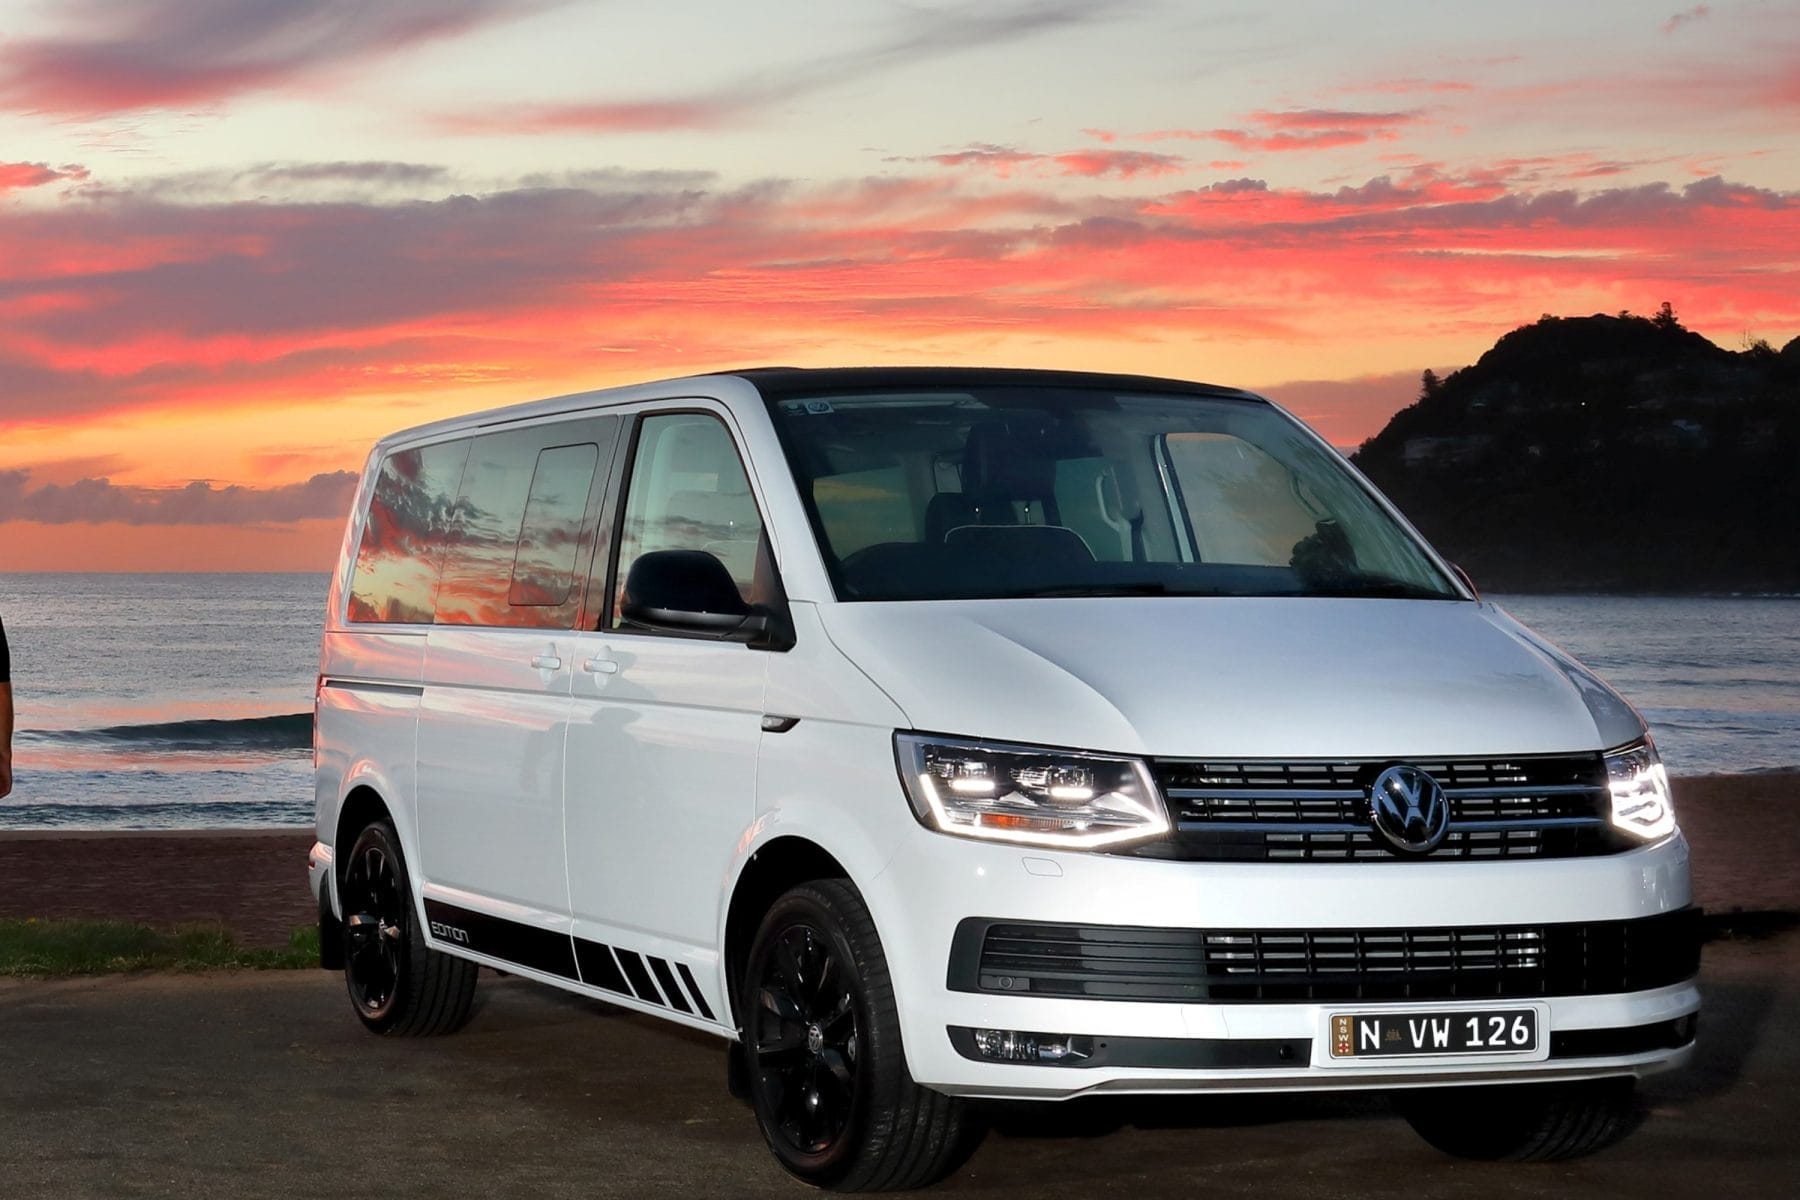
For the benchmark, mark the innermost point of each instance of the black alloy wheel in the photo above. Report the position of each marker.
(375, 926)
(805, 1041)
(398, 984)
(825, 1068)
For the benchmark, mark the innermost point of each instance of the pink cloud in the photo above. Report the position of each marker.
(1122, 164)
(1303, 129)
(1323, 139)
(642, 117)
(1332, 119)
(1346, 410)
(1412, 84)
(16, 176)
(145, 300)
(1006, 161)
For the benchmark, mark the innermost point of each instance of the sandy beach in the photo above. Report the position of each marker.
(254, 881)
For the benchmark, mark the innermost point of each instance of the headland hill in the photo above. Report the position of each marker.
(1606, 454)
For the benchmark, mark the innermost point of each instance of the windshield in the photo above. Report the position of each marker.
(1049, 491)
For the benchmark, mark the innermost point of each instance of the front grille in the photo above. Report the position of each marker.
(1536, 806)
(1225, 966)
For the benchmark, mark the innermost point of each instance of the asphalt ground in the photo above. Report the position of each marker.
(264, 1085)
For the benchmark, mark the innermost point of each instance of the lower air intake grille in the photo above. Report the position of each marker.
(1224, 966)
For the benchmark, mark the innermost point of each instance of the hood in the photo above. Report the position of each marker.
(1233, 677)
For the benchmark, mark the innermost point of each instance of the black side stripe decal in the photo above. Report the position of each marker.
(591, 963)
(640, 978)
(670, 988)
(693, 988)
(598, 968)
(539, 949)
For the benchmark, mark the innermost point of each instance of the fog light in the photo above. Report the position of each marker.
(1010, 1045)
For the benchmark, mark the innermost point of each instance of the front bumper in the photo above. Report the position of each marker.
(319, 878)
(1170, 1045)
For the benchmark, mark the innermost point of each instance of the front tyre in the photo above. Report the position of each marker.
(826, 1071)
(1532, 1122)
(398, 985)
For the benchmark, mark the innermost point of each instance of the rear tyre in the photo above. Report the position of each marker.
(1534, 1122)
(398, 985)
(826, 1071)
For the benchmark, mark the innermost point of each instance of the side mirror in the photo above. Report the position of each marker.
(688, 591)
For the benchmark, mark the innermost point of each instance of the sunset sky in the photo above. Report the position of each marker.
(241, 239)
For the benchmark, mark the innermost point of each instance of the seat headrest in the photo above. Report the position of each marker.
(1006, 463)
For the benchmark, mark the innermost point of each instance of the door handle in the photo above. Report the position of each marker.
(600, 666)
(546, 662)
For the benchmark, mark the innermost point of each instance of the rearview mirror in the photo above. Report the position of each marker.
(688, 591)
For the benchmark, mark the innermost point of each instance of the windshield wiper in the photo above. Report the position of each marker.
(1376, 587)
(1146, 587)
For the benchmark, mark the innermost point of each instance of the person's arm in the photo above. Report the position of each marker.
(6, 732)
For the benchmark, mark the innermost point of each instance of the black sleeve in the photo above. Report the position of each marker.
(5, 657)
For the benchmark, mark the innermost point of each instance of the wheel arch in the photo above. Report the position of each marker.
(780, 864)
(360, 809)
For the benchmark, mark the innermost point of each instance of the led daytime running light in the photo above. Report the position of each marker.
(1027, 795)
(1641, 803)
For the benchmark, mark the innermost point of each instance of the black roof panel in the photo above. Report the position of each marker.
(775, 382)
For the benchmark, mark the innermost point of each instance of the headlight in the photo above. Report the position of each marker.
(1640, 791)
(1025, 794)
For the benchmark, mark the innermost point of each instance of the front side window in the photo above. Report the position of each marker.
(1019, 491)
(689, 492)
(411, 516)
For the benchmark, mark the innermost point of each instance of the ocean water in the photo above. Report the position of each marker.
(184, 701)
(162, 701)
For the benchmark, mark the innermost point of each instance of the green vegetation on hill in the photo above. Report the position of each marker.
(1614, 453)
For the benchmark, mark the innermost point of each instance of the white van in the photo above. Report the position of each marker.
(937, 734)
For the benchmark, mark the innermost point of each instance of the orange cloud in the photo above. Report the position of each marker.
(137, 302)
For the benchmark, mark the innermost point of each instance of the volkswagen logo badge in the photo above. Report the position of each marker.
(1408, 810)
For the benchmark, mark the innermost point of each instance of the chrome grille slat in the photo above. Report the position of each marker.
(1545, 806)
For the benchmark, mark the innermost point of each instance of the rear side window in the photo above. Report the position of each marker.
(520, 527)
(410, 519)
(543, 574)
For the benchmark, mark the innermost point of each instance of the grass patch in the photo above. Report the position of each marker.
(31, 947)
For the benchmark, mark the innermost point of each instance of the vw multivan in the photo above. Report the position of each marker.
(933, 735)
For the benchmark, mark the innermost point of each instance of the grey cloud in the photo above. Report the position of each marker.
(920, 35)
(386, 173)
(199, 503)
(120, 56)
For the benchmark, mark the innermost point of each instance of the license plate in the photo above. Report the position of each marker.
(1389, 1035)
